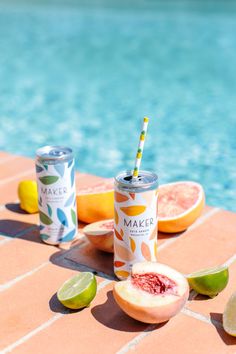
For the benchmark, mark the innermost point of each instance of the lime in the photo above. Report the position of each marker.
(229, 316)
(209, 281)
(78, 291)
(28, 195)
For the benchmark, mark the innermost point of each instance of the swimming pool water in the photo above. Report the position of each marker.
(84, 76)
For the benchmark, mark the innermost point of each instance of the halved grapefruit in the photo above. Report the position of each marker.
(96, 203)
(179, 205)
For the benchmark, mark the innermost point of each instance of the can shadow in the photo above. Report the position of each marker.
(217, 320)
(19, 229)
(117, 319)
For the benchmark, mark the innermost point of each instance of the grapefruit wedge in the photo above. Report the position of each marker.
(96, 203)
(179, 205)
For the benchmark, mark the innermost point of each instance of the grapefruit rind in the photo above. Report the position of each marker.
(101, 234)
(229, 316)
(209, 282)
(182, 221)
(96, 203)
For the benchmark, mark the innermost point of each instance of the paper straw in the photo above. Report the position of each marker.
(140, 148)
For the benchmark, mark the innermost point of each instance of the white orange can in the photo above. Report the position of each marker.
(135, 226)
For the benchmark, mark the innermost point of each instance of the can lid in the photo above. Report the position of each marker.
(144, 180)
(58, 153)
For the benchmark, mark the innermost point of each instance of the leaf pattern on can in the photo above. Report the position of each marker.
(73, 216)
(70, 163)
(146, 251)
(122, 233)
(60, 168)
(116, 217)
(68, 237)
(122, 274)
(44, 218)
(153, 234)
(119, 264)
(70, 200)
(133, 210)
(72, 176)
(44, 236)
(62, 217)
(132, 195)
(40, 201)
(49, 210)
(155, 250)
(119, 198)
(38, 168)
(132, 244)
(48, 179)
(123, 253)
(118, 235)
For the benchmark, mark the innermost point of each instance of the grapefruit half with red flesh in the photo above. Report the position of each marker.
(179, 205)
(100, 234)
(153, 293)
(96, 202)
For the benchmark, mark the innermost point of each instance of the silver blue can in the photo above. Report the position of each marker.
(55, 171)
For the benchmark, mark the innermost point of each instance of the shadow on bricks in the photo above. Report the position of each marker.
(18, 229)
(117, 319)
(216, 320)
(15, 208)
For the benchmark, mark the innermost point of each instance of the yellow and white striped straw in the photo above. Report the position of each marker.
(140, 148)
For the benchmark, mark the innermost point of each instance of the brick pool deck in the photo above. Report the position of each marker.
(32, 320)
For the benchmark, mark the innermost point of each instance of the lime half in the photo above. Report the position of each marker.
(78, 291)
(229, 316)
(209, 281)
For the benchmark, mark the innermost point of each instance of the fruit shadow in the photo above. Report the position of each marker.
(217, 320)
(56, 306)
(164, 236)
(15, 208)
(110, 315)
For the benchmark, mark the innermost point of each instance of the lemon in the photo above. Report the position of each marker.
(229, 316)
(78, 291)
(28, 195)
(209, 281)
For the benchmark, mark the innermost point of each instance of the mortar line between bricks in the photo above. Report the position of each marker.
(197, 223)
(7, 158)
(44, 325)
(15, 177)
(12, 282)
(17, 279)
(200, 317)
(136, 340)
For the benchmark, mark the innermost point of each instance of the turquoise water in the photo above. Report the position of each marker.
(84, 76)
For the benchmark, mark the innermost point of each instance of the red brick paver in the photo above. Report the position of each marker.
(33, 321)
